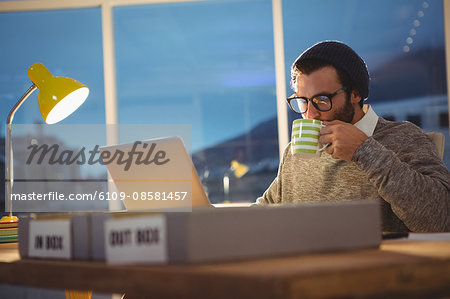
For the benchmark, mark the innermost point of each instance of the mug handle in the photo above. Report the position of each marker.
(326, 145)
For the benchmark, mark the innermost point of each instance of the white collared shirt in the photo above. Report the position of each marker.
(369, 121)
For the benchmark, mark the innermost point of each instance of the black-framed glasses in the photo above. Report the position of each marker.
(321, 102)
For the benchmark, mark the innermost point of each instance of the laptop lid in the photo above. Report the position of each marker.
(155, 174)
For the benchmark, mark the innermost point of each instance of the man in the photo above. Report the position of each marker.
(368, 157)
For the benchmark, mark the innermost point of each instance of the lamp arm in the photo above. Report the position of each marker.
(19, 103)
(9, 151)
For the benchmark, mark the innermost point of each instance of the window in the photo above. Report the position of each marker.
(443, 120)
(402, 42)
(415, 119)
(68, 43)
(389, 117)
(209, 64)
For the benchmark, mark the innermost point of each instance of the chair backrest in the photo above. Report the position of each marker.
(439, 140)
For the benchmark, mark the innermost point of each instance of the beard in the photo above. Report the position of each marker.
(346, 113)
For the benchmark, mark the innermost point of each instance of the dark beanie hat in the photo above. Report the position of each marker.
(342, 56)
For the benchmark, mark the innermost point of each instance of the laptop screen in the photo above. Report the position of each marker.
(155, 174)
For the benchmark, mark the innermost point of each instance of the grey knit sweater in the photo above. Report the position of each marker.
(399, 165)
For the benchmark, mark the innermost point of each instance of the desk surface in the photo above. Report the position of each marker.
(414, 267)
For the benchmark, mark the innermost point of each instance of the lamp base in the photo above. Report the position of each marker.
(9, 219)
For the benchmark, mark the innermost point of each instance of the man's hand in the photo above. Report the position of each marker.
(345, 139)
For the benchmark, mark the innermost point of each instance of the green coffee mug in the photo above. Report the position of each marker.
(305, 138)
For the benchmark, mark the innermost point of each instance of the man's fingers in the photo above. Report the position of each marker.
(326, 130)
(332, 122)
(332, 152)
(324, 139)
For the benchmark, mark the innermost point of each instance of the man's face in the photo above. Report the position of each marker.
(325, 81)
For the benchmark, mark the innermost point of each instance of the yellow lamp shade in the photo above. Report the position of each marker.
(238, 168)
(58, 96)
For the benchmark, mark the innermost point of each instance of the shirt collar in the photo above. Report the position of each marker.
(369, 121)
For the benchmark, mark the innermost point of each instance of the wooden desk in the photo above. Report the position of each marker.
(410, 268)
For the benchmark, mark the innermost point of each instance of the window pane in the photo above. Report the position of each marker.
(443, 120)
(402, 42)
(68, 43)
(209, 64)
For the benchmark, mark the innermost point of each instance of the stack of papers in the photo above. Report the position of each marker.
(8, 229)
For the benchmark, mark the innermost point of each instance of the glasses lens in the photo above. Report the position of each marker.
(299, 105)
(322, 103)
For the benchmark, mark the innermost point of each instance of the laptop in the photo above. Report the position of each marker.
(154, 174)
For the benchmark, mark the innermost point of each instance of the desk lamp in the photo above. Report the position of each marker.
(58, 97)
(239, 170)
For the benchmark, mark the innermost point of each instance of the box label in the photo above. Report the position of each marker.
(136, 240)
(50, 239)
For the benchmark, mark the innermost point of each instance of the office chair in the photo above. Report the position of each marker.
(439, 140)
